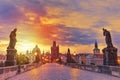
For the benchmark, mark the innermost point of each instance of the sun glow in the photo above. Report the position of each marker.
(24, 46)
(46, 20)
(119, 61)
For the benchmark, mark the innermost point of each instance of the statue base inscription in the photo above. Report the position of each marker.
(110, 56)
(10, 60)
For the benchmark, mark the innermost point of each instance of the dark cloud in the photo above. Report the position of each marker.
(103, 8)
(77, 36)
(55, 3)
(34, 6)
(68, 35)
(13, 12)
(9, 13)
(115, 37)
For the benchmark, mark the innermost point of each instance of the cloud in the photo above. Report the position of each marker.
(103, 8)
(78, 36)
(66, 35)
(34, 6)
(9, 13)
(69, 22)
(115, 38)
(100, 24)
(17, 11)
(3, 46)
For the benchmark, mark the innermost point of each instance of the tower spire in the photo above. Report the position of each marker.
(96, 50)
(54, 43)
(96, 44)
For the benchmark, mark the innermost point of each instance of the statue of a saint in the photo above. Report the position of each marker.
(107, 38)
(12, 39)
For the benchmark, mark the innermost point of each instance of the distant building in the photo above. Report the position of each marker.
(97, 58)
(63, 57)
(96, 50)
(84, 58)
(46, 57)
(37, 53)
(70, 58)
(90, 59)
(34, 55)
(54, 52)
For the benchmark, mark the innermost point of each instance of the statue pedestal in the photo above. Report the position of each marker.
(10, 60)
(110, 56)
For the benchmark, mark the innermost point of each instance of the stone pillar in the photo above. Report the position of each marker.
(110, 56)
(11, 57)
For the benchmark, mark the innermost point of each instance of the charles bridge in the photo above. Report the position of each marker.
(110, 66)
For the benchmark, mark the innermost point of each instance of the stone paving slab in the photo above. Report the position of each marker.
(53, 71)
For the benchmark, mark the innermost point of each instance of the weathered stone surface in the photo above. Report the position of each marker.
(11, 57)
(110, 56)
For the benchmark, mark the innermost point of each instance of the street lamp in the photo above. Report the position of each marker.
(36, 57)
(35, 54)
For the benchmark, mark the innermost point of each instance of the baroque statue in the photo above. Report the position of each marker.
(110, 52)
(12, 39)
(11, 51)
(108, 39)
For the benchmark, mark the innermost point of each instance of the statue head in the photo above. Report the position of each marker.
(36, 46)
(68, 50)
(15, 30)
(104, 31)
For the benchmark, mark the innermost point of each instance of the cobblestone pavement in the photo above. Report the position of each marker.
(53, 71)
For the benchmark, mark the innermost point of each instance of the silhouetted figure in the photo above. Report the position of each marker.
(69, 57)
(11, 51)
(12, 39)
(110, 52)
(108, 39)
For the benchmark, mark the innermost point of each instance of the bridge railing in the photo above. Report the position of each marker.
(115, 71)
(6, 72)
(111, 70)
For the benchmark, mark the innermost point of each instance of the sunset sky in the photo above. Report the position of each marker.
(72, 23)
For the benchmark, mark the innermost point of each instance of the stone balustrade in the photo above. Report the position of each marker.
(10, 71)
(111, 70)
(6, 72)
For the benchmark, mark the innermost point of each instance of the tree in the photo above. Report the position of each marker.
(22, 59)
